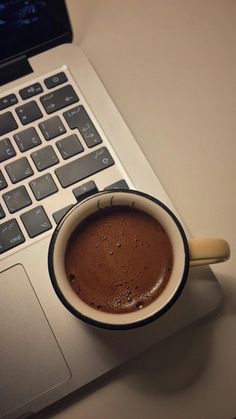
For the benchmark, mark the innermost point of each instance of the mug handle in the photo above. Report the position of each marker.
(207, 251)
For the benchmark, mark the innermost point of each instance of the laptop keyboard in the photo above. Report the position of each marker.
(49, 147)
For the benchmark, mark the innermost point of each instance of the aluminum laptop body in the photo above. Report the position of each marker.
(55, 116)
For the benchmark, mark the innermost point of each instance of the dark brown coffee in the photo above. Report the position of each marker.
(119, 260)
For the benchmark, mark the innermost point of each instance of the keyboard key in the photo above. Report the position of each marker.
(78, 118)
(55, 80)
(52, 128)
(58, 215)
(7, 101)
(43, 186)
(44, 158)
(28, 112)
(17, 199)
(2, 213)
(3, 183)
(85, 190)
(59, 99)
(121, 184)
(83, 167)
(69, 146)
(10, 235)
(27, 139)
(19, 169)
(36, 221)
(6, 149)
(7, 123)
(30, 91)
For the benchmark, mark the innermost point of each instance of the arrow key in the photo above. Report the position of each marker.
(36, 221)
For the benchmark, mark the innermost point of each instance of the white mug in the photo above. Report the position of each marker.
(186, 253)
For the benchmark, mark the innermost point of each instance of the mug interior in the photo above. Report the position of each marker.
(81, 211)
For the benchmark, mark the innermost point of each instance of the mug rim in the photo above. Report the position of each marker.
(124, 326)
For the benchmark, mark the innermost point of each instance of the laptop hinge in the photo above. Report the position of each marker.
(14, 69)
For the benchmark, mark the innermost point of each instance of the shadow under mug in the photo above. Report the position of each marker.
(186, 253)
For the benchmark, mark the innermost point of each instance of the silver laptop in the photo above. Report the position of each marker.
(61, 139)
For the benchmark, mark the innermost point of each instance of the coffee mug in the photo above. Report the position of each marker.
(184, 253)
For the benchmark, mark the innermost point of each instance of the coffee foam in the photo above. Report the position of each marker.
(119, 260)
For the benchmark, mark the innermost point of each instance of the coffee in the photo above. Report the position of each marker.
(119, 260)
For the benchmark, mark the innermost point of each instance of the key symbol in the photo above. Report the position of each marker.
(51, 106)
(98, 153)
(44, 225)
(105, 160)
(86, 127)
(89, 135)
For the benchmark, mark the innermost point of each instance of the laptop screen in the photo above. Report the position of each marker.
(28, 27)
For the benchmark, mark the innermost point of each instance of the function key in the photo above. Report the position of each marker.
(28, 112)
(30, 91)
(59, 99)
(17, 199)
(7, 123)
(27, 139)
(10, 235)
(3, 183)
(52, 128)
(69, 146)
(19, 169)
(36, 221)
(55, 80)
(6, 149)
(7, 101)
(78, 118)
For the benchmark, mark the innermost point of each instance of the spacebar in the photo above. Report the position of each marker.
(84, 166)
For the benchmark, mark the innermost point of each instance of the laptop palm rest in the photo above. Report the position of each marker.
(30, 366)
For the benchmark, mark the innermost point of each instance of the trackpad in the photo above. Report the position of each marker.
(31, 360)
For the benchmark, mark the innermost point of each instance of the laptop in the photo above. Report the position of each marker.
(55, 115)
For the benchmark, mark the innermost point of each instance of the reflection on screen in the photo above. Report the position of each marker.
(25, 24)
(18, 13)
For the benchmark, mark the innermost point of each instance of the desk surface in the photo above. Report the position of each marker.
(170, 69)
